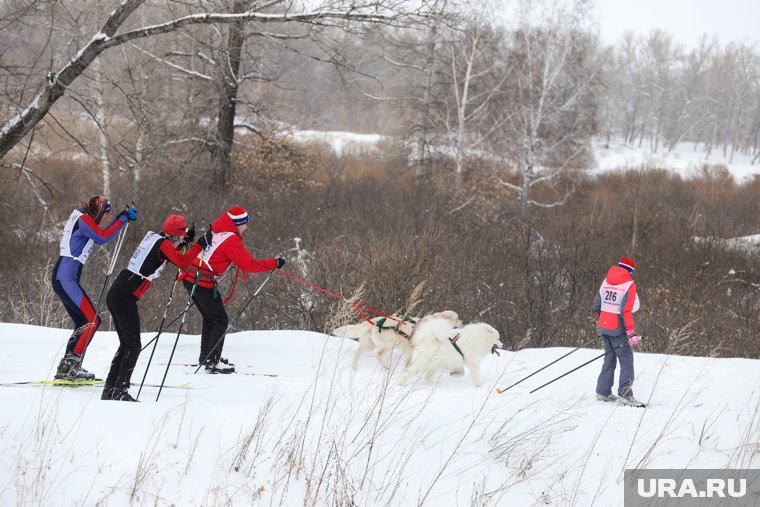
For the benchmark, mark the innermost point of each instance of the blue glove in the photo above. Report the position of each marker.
(130, 213)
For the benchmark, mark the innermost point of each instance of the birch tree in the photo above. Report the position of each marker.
(552, 79)
(475, 76)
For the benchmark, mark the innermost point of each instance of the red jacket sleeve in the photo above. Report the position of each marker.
(628, 310)
(242, 258)
(173, 255)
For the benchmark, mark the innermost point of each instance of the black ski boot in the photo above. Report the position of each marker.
(70, 369)
(107, 393)
(68, 362)
(122, 395)
(79, 373)
(219, 368)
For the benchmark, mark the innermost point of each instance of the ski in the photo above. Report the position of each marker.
(62, 382)
(84, 383)
(273, 375)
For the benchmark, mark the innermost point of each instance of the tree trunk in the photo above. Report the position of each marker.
(228, 90)
(137, 173)
(100, 115)
(420, 130)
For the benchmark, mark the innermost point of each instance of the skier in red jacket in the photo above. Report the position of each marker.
(223, 247)
(146, 264)
(614, 305)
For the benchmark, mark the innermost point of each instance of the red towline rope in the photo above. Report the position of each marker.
(357, 306)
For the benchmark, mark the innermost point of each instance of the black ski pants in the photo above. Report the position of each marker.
(126, 319)
(215, 321)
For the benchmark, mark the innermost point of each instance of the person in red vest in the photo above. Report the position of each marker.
(146, 264)
(80, 234)
(614, 305)
(223, 247)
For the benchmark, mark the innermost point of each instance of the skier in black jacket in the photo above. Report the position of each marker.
(146, 264)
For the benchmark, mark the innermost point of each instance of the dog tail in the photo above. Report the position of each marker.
(352, 331)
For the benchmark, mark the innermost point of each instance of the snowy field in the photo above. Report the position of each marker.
(685, 159)
(320, 434)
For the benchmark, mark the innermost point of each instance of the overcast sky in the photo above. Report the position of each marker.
(685, 20)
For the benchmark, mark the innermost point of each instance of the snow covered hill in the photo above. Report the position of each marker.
(320, 434)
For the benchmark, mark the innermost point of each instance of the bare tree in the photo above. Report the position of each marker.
(476, 74)
(552, 79)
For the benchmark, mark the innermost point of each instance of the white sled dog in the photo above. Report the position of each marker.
(384, 335)
(438, 346)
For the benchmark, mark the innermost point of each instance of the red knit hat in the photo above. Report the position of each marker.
(628, 264)
(238, 215)
(175, 225)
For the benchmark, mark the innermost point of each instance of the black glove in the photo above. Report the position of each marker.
(206, 239)
(280, 261)
(189, 234)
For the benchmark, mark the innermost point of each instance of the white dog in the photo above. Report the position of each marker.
(438, 345)
(386, 334)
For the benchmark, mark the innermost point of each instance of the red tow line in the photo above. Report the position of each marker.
(357, 306)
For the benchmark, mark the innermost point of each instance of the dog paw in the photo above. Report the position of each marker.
(456, 373)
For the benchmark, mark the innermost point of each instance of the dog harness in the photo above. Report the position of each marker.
(453, 341)
(409, 324)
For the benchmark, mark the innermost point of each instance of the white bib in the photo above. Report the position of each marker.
(141, 253)
(66, 239)
(612, 297)
(217, 239)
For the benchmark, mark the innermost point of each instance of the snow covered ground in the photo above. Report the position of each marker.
(684, 159)
(341, 143)
(320, 434)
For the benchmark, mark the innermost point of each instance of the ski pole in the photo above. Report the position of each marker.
(229, 326)
(112, 263)
(181, 324)
(545, 367)
(579, 367)
(160, 330)
(175, 319)
(172, 322)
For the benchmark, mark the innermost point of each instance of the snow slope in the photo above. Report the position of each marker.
(320, 434)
